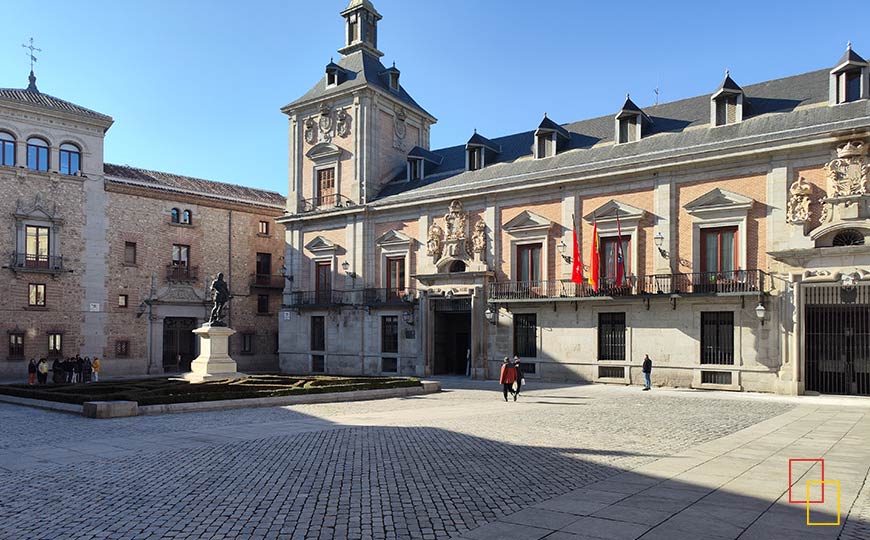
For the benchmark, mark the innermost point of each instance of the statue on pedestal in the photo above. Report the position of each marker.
(221, 299)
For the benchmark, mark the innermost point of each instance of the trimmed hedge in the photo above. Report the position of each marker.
(159, 391)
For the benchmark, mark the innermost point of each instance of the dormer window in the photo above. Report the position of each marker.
(727, 103)
(850, 79)
(394, 81)
(415, 169)
(332, 74)
(629, 122)
(628, 129)
(479, 151)
(475, 158)
(548, 137)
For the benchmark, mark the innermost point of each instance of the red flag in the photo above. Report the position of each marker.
(593, 268)
(577, 267)
(620, 256)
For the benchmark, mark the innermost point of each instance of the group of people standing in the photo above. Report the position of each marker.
(71, 370)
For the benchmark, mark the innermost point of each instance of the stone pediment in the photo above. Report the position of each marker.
(612, 209)
(39, 210)
(321, 245)
(394, 238)
(719, 200)
(180, 294)
(323, 151)
(527, 222)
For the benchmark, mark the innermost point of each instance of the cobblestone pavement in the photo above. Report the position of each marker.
(427, 467)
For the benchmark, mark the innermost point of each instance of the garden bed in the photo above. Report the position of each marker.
(162, 391)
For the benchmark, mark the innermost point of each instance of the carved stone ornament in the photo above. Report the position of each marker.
(435, 241)
(400, 129)
(342, 125)
(310, 131)
(478, 238)
(849, 175)
(798, 209)
(456, 219)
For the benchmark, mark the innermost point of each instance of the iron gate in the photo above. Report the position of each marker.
(838, 340)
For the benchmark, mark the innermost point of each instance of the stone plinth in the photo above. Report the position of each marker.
(214, 360)
(110, 409)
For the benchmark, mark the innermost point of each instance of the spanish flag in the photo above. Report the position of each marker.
(593, 268)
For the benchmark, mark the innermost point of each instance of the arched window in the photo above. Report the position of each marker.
(457, 266)
(70, 159)
(849, 237)
(7, 149)
(176, 215)
(37, 154)
(187, 217)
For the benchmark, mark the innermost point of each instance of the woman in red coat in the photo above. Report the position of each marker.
(508, 376)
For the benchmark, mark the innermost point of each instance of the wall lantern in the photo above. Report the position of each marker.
(346, 267)
(563, 247)
(659, 240)
(283, 271)
(491, 316)
(760, 312)
(408, 317)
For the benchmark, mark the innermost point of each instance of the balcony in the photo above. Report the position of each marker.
(326, 203)
(267, 281)
(29, 262)
(388, 297)
(181, 273)
(359, 297)
(322, 298)
(738, 282)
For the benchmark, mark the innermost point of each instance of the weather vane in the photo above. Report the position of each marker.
(31, 49)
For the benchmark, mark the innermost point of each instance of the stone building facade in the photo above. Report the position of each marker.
(113, 261)
(741, 219)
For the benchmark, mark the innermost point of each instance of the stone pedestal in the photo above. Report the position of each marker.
(214, 361)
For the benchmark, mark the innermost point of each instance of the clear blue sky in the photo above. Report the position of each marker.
(195, 86)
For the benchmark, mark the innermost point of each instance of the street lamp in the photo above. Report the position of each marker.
(659, 240)
(346, 267)
(491, 316)
(562, 247)
(760, 312)
(408, 317)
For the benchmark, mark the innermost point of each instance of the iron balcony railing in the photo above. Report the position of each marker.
(357, 297)
(738, 281)
(325, 203)
(36, 263)
(179, 273)
(267, 281)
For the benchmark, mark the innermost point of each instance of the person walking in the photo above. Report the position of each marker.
(68, 369)
(31, 373)
(520, 379)
(57, 371)
(647, 369)
(42, 371)
(508, 377)
(95, 366)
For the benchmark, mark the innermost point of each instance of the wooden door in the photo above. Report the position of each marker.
(326, 187)
(323, 282)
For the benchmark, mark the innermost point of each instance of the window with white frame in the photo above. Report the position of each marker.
(70, 159)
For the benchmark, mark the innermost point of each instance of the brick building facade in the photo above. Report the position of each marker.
(114, 262)
(742, 217)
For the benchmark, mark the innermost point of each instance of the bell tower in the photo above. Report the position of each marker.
(361, 21)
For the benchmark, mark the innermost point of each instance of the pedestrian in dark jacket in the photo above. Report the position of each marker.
(68, 369)
(508, 377)
(31, 372)
(57, 371)
(87, 369)
(520, 380)
(647, 369)
(79, 367)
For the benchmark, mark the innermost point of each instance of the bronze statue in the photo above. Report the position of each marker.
(221, 298)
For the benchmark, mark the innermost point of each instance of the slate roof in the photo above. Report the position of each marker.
(797, 105)
(360, 68)
(32, 96)
(124, 174)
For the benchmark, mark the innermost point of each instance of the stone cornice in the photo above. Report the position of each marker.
(169, 194)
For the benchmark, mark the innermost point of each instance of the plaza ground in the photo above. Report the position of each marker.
(562, 463)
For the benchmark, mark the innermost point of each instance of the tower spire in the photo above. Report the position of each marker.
(361, 20)
(30, 50)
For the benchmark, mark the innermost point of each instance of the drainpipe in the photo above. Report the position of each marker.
(229, 263)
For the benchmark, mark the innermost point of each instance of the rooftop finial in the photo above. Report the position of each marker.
(394, 64)
(32, 86)
(849, 45)
(30, 50)
(545, 115)
(727, 72)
